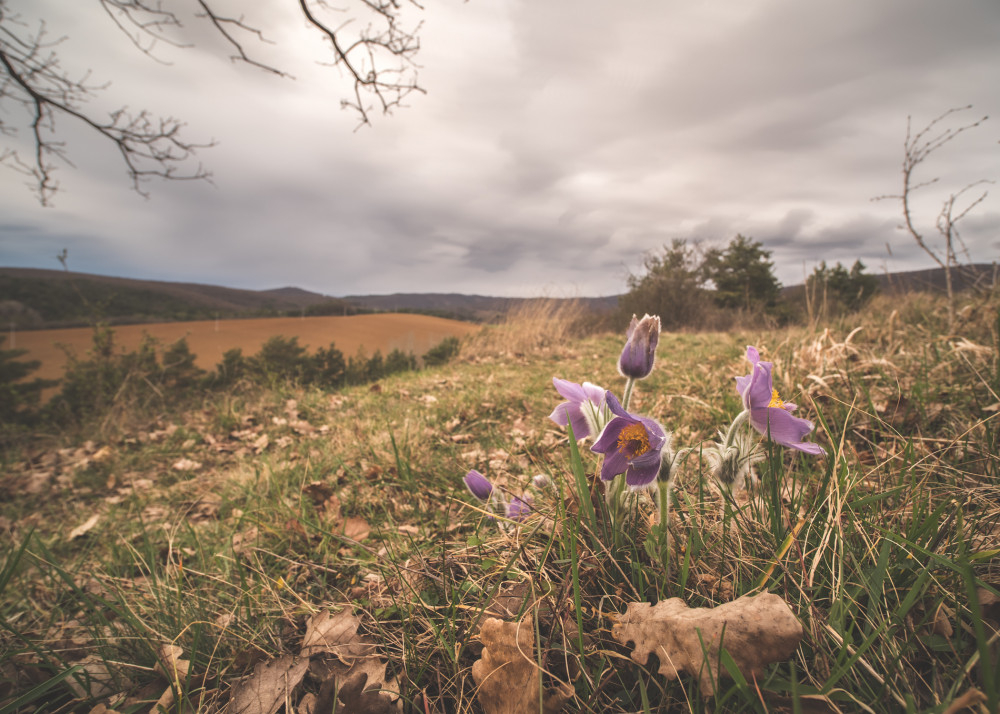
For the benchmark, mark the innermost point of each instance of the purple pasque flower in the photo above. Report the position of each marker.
(519, 508)
(769, 415)
(585, 407)
(641, 338)
(478, 485)
(632, 445)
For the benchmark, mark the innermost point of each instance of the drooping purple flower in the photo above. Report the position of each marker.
(585, 407)
(518, 509)
(636, 360)
(478, 485)
(769, 415)
(632, 445)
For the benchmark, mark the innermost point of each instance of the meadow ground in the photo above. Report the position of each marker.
(318, 551)
(210, 339)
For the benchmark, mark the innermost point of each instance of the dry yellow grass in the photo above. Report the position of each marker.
(209, 339)
(532, 325)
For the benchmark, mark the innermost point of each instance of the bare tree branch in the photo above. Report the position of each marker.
(378, 58)
(916, 149)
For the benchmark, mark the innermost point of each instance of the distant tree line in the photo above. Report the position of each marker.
(153, 376)
(720, 288)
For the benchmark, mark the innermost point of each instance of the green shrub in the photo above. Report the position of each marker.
(281, 358)
(399, 361)
(329, 368)
(19, 398)
(441, 353)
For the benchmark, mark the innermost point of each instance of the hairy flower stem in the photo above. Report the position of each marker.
(734, 428)
(627, 396)
(663, 528)
(613, 499)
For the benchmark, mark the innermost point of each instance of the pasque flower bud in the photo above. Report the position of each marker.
(636, 361)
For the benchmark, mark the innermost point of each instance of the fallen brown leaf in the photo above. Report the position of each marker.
(971, 698)
(335, 634)
(356, 700)
(271, 683)
(941, 625)
(186, 464)
(356, 528)
(82, 529)
(508, 678)
(318, 491)
(755, 630)
(93, 680)
(340, 654)
(171, 666)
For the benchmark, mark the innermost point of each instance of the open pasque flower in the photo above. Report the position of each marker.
(585, 407)
(632, 445)
(641, 338)
(769, 415)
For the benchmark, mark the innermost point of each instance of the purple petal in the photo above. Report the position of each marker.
(616, 407)
(608, 439)
(594, 393)
(783, 428)
(639, 470)
(656, 434)
(571, 411)
(639, 353)
(752, 354)
(810, 448)
(761, 387)
(567, 413)
(518, 509)
(615, 462)
(643, 474)
(569, 390)
(478, 485)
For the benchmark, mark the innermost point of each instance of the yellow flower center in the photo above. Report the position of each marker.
(633, 440)
(776, 400)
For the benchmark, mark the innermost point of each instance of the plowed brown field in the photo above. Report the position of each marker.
(209, 339)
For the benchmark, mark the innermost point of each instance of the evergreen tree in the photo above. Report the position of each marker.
(743, 275)
(19, 398)
(672, 287)
(837, 290)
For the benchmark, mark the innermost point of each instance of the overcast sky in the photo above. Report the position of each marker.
(558, 141)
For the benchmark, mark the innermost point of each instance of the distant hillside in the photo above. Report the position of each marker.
(965, 277)
(32, 298)
(481, 308)
(55, 298)
(933, 280)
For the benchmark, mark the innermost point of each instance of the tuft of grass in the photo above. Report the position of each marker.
(886, 550)
(531, 326)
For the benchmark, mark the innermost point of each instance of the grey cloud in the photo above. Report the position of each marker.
(559, 141)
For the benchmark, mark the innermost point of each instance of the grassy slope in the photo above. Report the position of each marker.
(227, 558)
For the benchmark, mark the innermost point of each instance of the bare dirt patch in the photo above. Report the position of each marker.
(209, 339)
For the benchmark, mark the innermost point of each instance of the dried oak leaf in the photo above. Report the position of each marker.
(340, 654)
(269, 686)
(335, 634)
(171, 665)
(507, 675)
(355, 699)
(755, 630)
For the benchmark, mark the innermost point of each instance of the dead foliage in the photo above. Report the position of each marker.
(756, 630)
